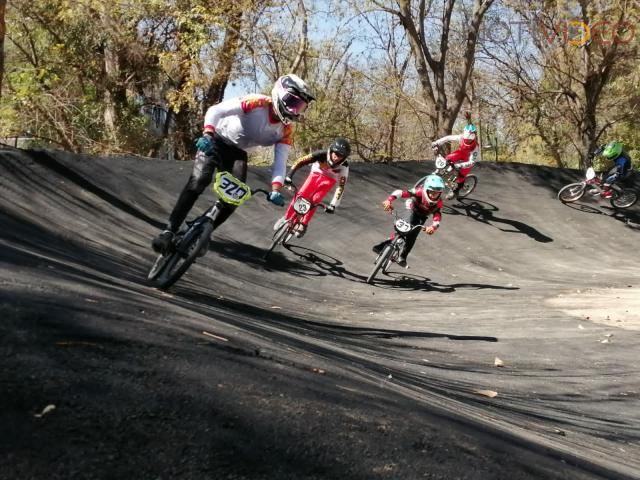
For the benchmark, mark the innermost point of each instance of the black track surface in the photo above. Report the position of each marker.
(306, 372)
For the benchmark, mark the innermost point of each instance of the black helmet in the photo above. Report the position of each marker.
(342, 147)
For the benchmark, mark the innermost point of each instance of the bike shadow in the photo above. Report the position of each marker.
(253, 256)
(327, 264)
(484, 212)
(631, 218)
(412, 282)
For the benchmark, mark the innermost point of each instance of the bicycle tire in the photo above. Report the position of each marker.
(187, 250)
(572, 192)
(624, 199)
(278, 237)
(470, 183)
(287, 238)
(384, 256)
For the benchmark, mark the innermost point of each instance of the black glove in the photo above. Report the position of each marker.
(330, 209)
(288, 180)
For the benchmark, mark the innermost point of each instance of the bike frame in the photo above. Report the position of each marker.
(390, 253)
(287, 230)
(191, 243)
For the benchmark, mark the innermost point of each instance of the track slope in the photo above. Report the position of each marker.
(306, 371)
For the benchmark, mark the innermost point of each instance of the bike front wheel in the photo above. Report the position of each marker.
(169, 268)
(572, 192)
(624, 199)
(469, 186)
(383, 260)
(281, 235)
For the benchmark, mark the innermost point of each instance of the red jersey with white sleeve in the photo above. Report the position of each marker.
(465, 156)
(320, 166)
(420, 203)
(248, 122)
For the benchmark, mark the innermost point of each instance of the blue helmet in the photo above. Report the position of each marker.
(434, 183)
(432, 187)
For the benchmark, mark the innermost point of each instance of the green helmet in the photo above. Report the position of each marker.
(612, 150)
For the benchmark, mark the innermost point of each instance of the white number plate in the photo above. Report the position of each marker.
(402, 225)
(231, 190)
(441, 162)
(301, 205)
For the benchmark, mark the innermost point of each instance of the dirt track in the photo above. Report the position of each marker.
(307, 372)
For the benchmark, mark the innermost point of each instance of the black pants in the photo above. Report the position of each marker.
(414, 218)
(224, 157)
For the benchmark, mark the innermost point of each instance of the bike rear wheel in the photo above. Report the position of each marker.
(624, 199)
(469, 186)
(178, 262)
(281, 235)
(572, 192)
(382, 261)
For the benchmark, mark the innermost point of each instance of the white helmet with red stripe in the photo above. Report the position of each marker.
(290, 96)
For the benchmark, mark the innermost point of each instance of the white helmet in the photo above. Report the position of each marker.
(290, 96)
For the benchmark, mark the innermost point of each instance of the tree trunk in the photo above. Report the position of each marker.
(227, 57)
(588, 131)
(446, 106)
(3, 6)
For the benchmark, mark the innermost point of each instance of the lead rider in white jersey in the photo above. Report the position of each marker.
(230, 128)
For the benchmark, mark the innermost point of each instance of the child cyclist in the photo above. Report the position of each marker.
(466, 156)
(328, 168)
(425, 201)
(615, 153)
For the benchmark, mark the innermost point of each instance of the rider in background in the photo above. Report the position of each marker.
(230, 128)
(425, 201)
(614, 152)
(328, 168)
(466, 156)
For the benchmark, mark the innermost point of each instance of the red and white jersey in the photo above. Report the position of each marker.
(320, 166)
(249, 122)
(468, 156)
(419, 204)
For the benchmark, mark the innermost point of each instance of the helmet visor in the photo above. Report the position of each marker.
(294, 105)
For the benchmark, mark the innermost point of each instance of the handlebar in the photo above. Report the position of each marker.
(260, 190)
(414, 227)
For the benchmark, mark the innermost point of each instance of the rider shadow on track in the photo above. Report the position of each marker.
(327, 264)
(482, 211)
(413, 282)
(252, 256)
(394, 280)
(629, 218)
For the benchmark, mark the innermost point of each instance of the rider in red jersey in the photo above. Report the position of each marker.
(425, 201)
(328, 168)
(466, 156)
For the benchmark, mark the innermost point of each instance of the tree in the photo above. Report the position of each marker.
(3, 6)
(564, 82)
(444, 80)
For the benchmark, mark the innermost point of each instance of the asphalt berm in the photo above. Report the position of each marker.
(508, 349)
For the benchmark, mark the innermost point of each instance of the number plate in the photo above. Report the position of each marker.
(231, 190)
(301, 205)
(441, 162)
(402, 226)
